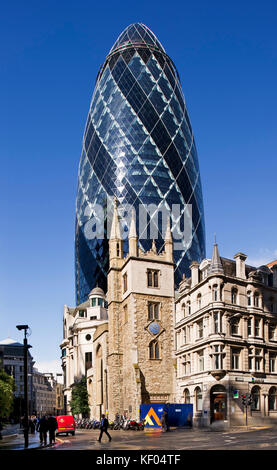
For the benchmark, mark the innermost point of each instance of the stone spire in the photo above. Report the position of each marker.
(216, 263)
(115, 228)
(133, 238)
(115, 242)
(168, 242)
(168, 234)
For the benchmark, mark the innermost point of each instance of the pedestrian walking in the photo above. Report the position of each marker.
(52, 426)
(43, 428)
(163, 421)
(104, 428)
(31, 425)
(166, 425)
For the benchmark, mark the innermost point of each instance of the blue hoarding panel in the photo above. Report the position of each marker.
(178, 414)
(152, 414)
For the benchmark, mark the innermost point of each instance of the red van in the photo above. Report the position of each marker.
(66, 424)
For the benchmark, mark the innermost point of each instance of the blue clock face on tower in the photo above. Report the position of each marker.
(154, 328)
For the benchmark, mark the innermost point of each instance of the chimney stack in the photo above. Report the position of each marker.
(240, 265)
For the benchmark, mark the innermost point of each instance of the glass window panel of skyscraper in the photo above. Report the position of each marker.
(138, 147)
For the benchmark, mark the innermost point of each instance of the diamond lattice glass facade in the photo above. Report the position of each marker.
(138, 146)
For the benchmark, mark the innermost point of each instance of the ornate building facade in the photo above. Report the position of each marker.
(208, 343)
(80, 324)
(141, 323)
(226, 341)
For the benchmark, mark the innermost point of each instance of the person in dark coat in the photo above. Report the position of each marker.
(163, 422)
(166, 425)
(31, 425)
(43, 428)
(52, 426)
(104, 428)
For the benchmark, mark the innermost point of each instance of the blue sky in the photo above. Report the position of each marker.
(226, 55)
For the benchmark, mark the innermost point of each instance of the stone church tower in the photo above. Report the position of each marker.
(141, 366)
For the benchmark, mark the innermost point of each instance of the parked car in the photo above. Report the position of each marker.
(66, 424)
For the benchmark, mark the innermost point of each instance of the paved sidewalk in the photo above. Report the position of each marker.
(13, 438)
(10, 430)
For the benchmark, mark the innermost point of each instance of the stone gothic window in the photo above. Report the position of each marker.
(218, 356)
(271, 332)
(255, 392)
(234, 296)
(235, 358)
(256, 299)
(217, 322)
(152, 278)
(200, 329)
(188, 308)
(125, 313)
(154, 350)
(272, 399)
(272, 362)
(257, 327)
(199, 301)
(124, 282)
(215, 293)
(153, 311)
(201, 360)
(249, 326)
(186, 396)
(235, 326)
(198, 399)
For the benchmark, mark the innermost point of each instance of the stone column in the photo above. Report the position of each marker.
(265, 404)
(262, 327)
(228, 357)
(245, 359)
(245, 327)
(253, 325)
(225, 319)
(266, 330)
(206, 325)
(266, 362)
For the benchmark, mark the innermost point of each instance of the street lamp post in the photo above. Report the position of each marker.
(26, 407)
(57, 375)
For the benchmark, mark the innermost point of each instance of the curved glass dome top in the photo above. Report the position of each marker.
(139, 147)
(137, 33)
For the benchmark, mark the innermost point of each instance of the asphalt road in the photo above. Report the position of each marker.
(177, 439)
(185, 439)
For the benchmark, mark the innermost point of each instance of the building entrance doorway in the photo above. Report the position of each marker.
(218, 403)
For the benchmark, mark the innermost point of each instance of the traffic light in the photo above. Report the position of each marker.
(243, 399)
(250, 400)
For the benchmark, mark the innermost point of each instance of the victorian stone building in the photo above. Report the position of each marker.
(226, 342)
(208, 343)
(141, 323)
(126, 350)
(79, 326)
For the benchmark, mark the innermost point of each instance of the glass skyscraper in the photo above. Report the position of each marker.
(138, 146)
